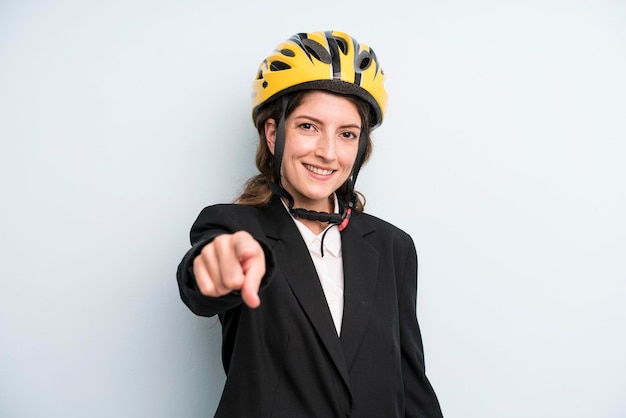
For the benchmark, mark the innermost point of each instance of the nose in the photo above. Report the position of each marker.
(326, 147)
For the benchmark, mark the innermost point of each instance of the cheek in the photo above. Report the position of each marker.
(299, 148)
(347, 155)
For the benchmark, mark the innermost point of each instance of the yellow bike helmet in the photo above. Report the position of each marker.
(332, 61)
(328, 60)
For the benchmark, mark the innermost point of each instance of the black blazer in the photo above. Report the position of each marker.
(285, 359)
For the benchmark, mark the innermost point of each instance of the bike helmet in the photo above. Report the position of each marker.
(332, 61)
(328, 60)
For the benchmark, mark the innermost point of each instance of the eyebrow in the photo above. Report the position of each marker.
(318, 121)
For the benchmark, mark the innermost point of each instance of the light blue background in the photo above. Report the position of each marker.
(502, 155)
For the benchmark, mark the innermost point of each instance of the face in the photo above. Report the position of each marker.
(321, 144)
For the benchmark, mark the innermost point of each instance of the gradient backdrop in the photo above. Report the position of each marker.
(502, 155)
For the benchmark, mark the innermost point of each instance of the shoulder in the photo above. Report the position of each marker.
(225, 212)
(229, 218)
(381, 224)
(382, 229)
(395, 247)
(229, 209)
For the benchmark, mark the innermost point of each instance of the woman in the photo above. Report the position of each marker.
(316, 298)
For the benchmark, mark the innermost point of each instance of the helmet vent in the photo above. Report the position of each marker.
(287, 52)
(317, 50)
(279, 66)
(364, 60)
(343, 46)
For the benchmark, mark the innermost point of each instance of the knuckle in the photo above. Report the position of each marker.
(219, 289)
(206, 253)
(221, 241)
(205, 288)
(233, 282)
(241, 234)
(205, 284)
(203, 278)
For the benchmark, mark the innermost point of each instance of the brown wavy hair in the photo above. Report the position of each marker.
(256, 192)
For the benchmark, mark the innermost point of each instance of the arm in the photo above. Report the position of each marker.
(421, 400)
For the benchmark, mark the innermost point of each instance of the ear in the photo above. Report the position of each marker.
(270, 134)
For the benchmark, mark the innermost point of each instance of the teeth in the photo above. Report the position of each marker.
(319, 171)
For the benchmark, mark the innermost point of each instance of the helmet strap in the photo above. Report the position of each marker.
(276, 188)
(279, 144)
(358, 162)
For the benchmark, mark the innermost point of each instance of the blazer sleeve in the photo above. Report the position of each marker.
(420, 398)
(214, 221)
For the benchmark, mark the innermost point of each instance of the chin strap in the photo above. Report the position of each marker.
(341, 220)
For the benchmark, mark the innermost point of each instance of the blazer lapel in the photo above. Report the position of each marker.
(293, 260)
(360, 261)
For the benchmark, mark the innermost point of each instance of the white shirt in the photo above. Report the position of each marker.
(329, 268)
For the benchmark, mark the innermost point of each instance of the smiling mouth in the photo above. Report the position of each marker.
(317, 170)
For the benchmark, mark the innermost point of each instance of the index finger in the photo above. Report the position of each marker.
(253, 270)
(252, 259)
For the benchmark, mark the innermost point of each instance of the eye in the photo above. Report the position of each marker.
(349, 135)
(306, 126)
